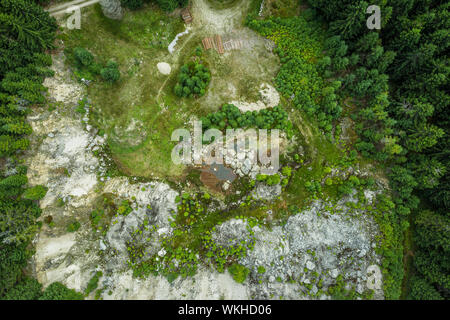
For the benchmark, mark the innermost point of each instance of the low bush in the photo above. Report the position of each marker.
(192, 81)
(239, 272)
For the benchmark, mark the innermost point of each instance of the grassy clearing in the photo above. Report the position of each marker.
(223, 4)
(140, 111)
(127, 111)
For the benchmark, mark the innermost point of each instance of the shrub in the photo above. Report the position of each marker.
(273, 180)
(74, 226)
(239, 272)
(286, 171)
(57, 291)
(230, 116)
(192, 81)
(132, 4)
(111, 72)
(423, 290)
(12, 259)
(27, 289)
(35, 193)
(125, 208)
(170, 5)
(313, 186)
(345, 188)
(354, 180)
(83, 57)
(93, 283)
(261, 177)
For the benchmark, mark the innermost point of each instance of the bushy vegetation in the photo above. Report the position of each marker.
(35, 193)
(26, 289)
(166, 5)
(229, 116)
(398, 79)
(192, 241)
(93, 282)
(193, 80)
(110, 72)
(269, 179)
(239, 272)
(301, 77)
(73, 226)
(88, 69)
(58, 291)
(132, 4)
(27, 32)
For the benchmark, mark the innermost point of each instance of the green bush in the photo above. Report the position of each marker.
(170, 5)
(57, 291)
(261, 177)
(286, 171)
(73, 226)
(35, 193)
(83, 57)
(273, 179)
(132, 4)
(423, 290)
(239, 272)
(111, 72)
(12, 259)
(27, 289)
(229, 116)
(313, 186)
(93, 283)
(192, 80)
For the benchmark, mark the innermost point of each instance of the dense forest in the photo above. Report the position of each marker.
(27, 31)
(398, 79)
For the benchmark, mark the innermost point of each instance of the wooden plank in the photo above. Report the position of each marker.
(186, 15)
(228, 45)
(219, 44)
(207, 43)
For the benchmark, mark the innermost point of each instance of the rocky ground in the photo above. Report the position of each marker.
(328, 244)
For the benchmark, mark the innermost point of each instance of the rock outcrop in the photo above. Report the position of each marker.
(112, 9)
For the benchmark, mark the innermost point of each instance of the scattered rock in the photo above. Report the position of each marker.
(310, 265)
(164, 68)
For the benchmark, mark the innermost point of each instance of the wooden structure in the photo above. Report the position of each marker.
(207, 43)
(223, 44)
(233, 45)
(186, 15)
(219, 44)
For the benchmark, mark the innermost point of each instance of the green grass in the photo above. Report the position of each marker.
(137, 43)
(141, 93)
(93, 282)
(223, 4)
